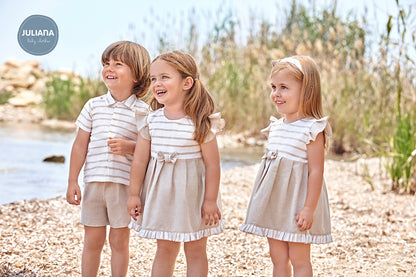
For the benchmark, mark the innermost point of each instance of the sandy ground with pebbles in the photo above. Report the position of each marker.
(374, 232)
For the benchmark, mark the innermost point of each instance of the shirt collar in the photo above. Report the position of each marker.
(129, 102)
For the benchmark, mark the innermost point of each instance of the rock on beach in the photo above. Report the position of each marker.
(374, 232)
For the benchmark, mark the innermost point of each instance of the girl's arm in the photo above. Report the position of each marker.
(137, 173)
(210, 211)
(78, 155)
(316, 157)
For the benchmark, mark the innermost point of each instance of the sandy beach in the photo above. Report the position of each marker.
(374, 232)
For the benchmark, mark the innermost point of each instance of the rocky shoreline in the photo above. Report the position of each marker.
(374, 231)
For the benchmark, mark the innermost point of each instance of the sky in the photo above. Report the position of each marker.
(86, 27)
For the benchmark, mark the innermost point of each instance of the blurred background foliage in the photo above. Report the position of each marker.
(368, 83)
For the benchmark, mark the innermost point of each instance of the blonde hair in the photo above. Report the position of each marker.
(138, 60)
(310, 99)
(310, 104)
(199, 104)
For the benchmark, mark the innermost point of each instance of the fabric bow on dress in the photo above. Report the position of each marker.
(168, 158)
(270, 155)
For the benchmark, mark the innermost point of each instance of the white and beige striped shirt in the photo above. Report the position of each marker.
(103, 117)
(289, 140)
(176, 136)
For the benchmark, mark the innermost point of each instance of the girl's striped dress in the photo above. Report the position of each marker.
(174, 186)
(281, 185)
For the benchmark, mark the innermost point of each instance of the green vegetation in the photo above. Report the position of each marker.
(4, 97)
(369, 89)
(66, 94)
(401, 150)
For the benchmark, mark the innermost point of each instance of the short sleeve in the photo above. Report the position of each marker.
(142, 117)
(266, 130)
(217, 124)
(318, 126)
(84, 120)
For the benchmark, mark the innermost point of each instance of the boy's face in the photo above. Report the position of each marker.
(118, 77)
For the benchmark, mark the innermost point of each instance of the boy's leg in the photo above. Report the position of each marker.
(94, 238)
(279, 253)
(196, 257)
(165, 258)
(116, 196)
(119, 244)
(300, 258)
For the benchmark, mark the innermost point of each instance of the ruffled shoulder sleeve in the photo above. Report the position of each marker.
(217, 124)
(320, 125)
(142, 118)
(266, 130)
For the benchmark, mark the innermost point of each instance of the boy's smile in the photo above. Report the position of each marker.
(119, 79)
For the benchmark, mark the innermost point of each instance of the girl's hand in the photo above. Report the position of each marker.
(120, 146)
(134, 206)
(304, 219)
(73, 194)
(210, 212)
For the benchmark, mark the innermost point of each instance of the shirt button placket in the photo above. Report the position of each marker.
(112, 134)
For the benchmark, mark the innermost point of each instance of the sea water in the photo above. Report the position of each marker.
(24, 175)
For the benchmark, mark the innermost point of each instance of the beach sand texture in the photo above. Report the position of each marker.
(374, 232)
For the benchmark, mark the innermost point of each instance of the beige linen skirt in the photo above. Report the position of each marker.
(279, 193)
(172, 197)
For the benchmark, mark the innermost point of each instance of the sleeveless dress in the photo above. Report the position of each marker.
(174, 186)
(280, 187)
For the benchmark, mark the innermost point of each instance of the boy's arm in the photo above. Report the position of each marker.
(121, 146)
(210, 154)
(78, 155)
(137, 174)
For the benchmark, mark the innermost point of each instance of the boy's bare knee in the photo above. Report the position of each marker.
(94, 238)
(119, 238)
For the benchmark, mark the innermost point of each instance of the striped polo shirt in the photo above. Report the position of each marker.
(103, 117)
(289, 140)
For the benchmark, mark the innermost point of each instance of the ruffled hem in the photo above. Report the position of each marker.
(173, 236)
(283, 236)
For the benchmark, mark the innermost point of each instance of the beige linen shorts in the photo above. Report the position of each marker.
(105, 203)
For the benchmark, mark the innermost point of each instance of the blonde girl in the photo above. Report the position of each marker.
(289, 203)
(176, 167)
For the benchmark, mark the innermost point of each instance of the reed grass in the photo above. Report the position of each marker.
(368, 88)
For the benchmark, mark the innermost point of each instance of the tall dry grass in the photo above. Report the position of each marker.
(368, 83)
(368, 87)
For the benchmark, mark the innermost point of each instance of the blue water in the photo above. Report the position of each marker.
(24, 175)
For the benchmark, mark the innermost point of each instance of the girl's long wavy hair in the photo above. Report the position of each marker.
(199, 104)
(136, 57)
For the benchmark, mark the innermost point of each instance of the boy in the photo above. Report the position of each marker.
(105, 141)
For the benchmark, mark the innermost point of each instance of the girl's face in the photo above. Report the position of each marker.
(118, 77)
(285, 94)
(167, 84)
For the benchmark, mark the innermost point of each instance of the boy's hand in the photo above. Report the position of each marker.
(120, 146)
(73, 194)
(134, 206)
(304, 219)
(210, 212)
